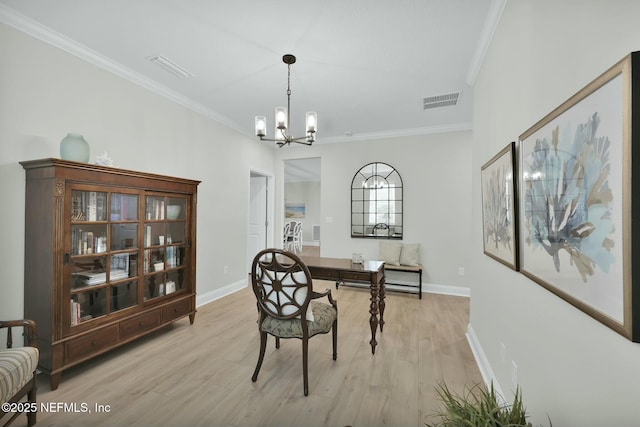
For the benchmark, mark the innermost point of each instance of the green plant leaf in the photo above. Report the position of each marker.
(478, 407)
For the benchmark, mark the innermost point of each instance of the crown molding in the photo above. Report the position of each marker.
(49, 36)
(456, 127)
(490, 24)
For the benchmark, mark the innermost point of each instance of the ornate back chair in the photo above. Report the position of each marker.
(297, 237)
(284, 291)
(286, 232)
(18, 371)
(381, 229)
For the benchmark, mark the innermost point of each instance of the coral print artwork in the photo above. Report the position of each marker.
(572, 198)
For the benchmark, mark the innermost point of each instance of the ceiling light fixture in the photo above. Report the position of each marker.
(282, 136)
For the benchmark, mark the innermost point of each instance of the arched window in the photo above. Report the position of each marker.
(376, 202)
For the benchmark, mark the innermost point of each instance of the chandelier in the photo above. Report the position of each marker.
(282, 135)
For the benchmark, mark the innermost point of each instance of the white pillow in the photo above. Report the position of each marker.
(409, 254)
(390, 252)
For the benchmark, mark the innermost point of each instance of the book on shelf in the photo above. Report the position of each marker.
(118, 275)
(92, 208)
(170, 287)
(160, 210)
(119, 262)
(147, 261)
(75, 313)
(154, 209)
(101, 206)
(87, 242)
(171, 261)
(96, 278)
(116, 211)
(76, 207)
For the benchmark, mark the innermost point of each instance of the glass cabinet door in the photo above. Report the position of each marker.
(124, 215)
(88, 270)
(103, 257)
(165, 244)
(126, 247)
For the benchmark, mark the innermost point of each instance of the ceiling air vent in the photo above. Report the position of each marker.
(170, 66)
(440, 101)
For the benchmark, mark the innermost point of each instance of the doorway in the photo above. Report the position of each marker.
(260, 215)
(302, 199)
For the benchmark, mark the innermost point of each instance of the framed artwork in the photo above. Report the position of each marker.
(578, 197)
(499, 226)
(294, 210)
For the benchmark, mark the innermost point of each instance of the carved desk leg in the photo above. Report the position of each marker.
(373, 309)
(382, 304)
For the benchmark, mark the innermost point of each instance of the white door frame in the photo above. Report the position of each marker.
(265, 181)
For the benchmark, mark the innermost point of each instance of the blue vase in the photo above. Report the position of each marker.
(73, 147)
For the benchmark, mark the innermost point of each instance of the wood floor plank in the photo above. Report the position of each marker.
(200, 374)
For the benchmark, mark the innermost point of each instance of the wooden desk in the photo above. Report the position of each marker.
(342, 269)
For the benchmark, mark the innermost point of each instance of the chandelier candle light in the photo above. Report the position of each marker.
(282, 136)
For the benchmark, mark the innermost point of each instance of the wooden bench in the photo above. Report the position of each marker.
(408, 269)
(391, 267)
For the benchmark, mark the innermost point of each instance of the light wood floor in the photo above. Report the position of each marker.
(310, 250)
(200, 374)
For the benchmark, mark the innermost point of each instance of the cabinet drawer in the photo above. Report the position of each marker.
(324, 274)
(176, 310)
(90, 344)
(359, 277)
(139, 324)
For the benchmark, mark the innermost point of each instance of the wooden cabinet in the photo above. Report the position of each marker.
(110, 255)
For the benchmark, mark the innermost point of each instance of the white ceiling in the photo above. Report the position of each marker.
(363, 65)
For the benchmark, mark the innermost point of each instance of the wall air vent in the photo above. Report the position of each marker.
(440, 101)
(170, 66)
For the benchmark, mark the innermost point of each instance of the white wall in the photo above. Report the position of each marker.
(46, 92)
(436, 174)
(570, 366)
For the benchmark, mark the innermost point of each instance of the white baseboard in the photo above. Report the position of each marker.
(219, 293)
(458, 291)
(483, 364)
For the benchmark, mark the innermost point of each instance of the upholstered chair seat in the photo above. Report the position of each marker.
(18, 367)
(323, 317)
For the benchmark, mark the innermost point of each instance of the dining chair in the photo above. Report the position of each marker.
(18, 368)
(286, 231)
(381, 229)
(284, 292)
(297, 237)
